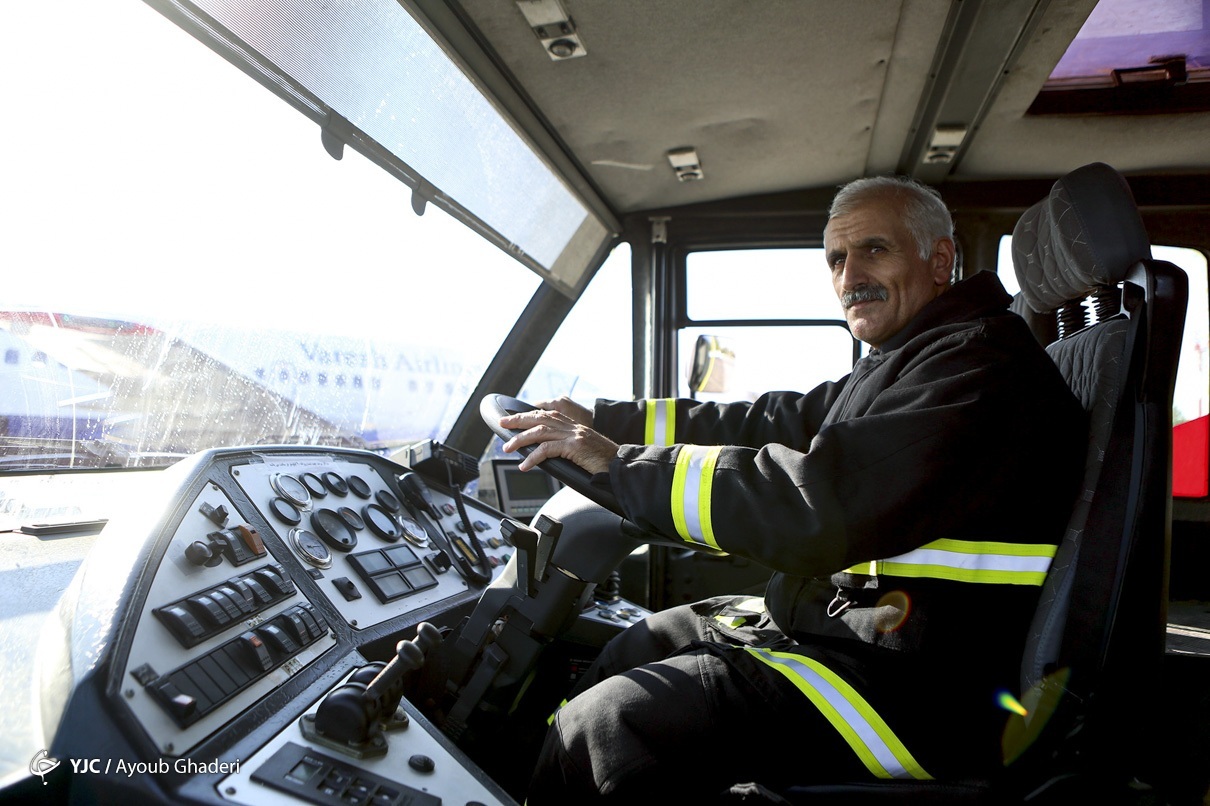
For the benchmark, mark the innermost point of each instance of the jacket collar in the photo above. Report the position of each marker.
(977, 296)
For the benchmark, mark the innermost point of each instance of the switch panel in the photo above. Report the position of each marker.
(194, 618)
(195, 689)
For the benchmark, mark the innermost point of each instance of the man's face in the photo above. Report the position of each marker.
(877, 272)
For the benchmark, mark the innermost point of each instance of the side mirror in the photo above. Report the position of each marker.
(713, 363)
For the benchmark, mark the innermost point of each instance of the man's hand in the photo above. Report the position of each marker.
(559, 435)
(568, 408)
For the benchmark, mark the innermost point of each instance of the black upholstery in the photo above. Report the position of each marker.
(1091, 672)
(1092, 667)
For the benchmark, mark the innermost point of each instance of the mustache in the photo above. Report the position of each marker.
(863, 293)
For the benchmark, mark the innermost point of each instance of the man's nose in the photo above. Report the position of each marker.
(854, 273)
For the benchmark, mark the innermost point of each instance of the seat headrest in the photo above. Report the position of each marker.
(1086, 233)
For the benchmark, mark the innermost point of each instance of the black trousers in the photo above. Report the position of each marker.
(675, 707)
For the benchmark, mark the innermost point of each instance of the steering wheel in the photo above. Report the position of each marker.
(493, 407)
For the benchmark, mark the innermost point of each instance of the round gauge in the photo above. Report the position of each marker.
(291, 489)
(388, 501)
(413, 532)
(285, 511)
(313, 484)
(382, 523)
(359, 486)
(352, 518)
(336, 484)
(311, 548)
(333, 529)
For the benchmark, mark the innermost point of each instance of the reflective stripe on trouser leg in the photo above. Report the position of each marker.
(660, 421)
(870, 737)
(691, 485)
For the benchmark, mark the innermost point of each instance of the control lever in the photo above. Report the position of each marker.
(497, 646)
(353, 717)
(534, 546)
(418, 493)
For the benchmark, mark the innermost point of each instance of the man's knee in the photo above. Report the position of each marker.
(610, 736)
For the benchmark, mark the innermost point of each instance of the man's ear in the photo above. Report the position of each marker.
(941, 261)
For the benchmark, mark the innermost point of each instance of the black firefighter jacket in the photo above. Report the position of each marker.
(913, 505)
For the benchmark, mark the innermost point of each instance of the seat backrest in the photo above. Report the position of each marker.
(1093, 659)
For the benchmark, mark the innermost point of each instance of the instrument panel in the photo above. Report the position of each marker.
(371, 551)
(244, 592)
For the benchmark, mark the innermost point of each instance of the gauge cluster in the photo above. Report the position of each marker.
(373, 553)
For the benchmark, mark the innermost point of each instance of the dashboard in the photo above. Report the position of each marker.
(190, 654)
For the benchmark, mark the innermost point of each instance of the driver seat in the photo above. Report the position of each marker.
(1091, 672)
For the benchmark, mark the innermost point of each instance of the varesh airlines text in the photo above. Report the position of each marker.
(160, 766)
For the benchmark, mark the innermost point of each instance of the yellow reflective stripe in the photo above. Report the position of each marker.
(883, 754)
(550, 720)
(731, 621)
(753, 604)
(985, 562)
(692, 481)
(868, 569)
(659, 426)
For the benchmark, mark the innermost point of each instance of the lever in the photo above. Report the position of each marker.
(417, 492)
(534, 546)
(351, 717)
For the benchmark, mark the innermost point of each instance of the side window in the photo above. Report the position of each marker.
(1191, 397)
(770, 314)
(590, 356)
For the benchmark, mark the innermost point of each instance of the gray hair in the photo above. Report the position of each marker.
(924, 213)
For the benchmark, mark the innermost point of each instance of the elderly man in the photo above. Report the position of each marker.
(909, 510)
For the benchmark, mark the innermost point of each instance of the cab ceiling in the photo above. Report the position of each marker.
(778, 95)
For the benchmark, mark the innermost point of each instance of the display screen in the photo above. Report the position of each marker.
(533, 484)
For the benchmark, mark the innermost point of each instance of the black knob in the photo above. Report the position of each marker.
(199, 552)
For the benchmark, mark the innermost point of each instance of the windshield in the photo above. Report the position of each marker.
(187, 267)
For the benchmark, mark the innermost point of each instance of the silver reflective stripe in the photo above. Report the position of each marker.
(980, 561)
(690, 501)
(857, 722)
(976, 561)
(660, 421)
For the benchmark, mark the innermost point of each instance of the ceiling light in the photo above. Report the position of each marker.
(685, 163)
(554, 27)
(945, 143)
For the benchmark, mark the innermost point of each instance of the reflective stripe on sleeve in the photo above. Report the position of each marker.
(857, 722)
(691, 484)
(660, 422)
(977, 561)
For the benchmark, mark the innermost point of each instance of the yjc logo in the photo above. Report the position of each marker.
(42, 764)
